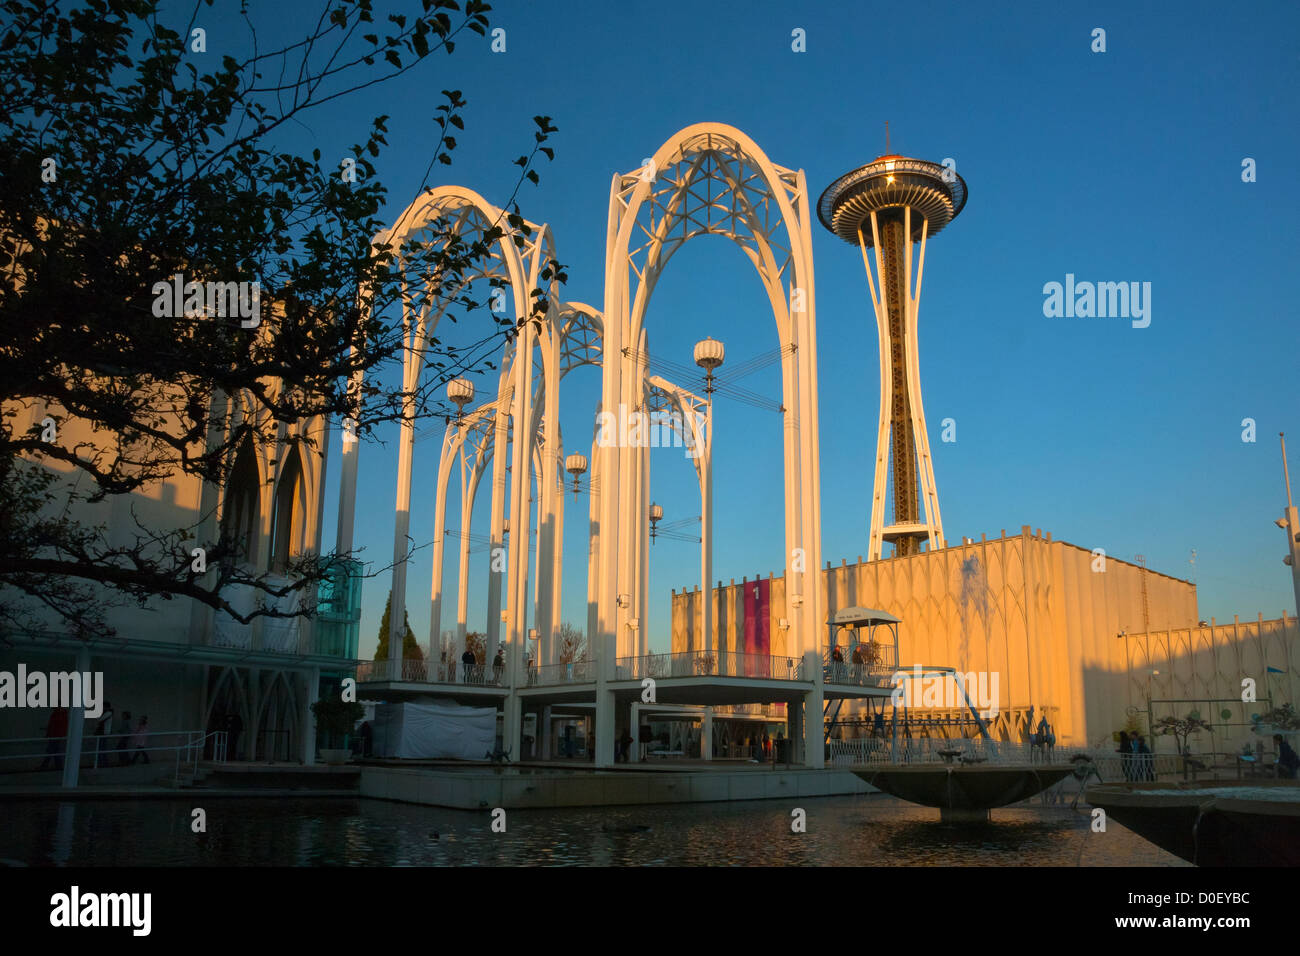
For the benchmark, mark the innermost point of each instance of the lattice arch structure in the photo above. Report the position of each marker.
(708, 179)
(569, 337)
(441, 217)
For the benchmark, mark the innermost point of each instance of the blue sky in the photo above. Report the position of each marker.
(1115, 166)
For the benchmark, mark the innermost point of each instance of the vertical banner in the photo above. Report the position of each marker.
(751, 625)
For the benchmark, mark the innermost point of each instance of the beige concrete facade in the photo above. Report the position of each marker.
(1044, 615)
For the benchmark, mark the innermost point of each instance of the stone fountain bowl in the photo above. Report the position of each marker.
(1211, 822)
(964, 791)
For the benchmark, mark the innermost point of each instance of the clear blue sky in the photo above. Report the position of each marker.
(1115, 166)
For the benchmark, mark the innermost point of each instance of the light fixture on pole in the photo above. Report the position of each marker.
(576, 465)
(656, 515)
(709, 354)
(461, 392)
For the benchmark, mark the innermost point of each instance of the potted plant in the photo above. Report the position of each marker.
(336, 717)
(1181, 729)
(1282, 719)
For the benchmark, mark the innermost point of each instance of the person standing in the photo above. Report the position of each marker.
(124, 729)
(140, 740)
(1287, 759)
(1125, 755)
(56, 732)
(234, 726)
(837, 663)
(102, 730)
(498, 666)
(1145, 761)
(467, 662)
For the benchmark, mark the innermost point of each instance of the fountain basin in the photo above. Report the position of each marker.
(964, 793)
(1211, 823)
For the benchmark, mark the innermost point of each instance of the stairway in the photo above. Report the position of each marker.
(831, 714)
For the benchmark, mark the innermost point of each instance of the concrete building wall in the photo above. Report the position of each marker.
(1212, 662)
(180, 501)
(175, 693)
(1043, 615)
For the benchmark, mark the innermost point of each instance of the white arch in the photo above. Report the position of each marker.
(760, 205)
(455, 210)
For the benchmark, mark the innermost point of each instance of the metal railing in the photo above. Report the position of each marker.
(706, 664)
(940, 750)
(103, 751)
(570, 672)
(773, 711)
(874, 665)
(423, 672)
(1111, 767)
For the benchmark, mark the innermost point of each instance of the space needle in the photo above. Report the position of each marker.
(892, 205)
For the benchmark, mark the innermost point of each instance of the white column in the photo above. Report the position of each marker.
(517, 610)
(496, 535)
(814, 703)
(557, 563)
(705, 451)
(603, 639)
(810, 487)
(469, 491)
(347, 488)
(547, 615)
(439, 548)
(402, 526)
(593, 551)
(706, 737)
(76, 728)
(642, 634)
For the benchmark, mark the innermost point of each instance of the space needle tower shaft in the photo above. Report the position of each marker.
(890, 207)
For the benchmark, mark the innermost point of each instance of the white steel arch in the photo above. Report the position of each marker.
(447, 213)
(709, 178)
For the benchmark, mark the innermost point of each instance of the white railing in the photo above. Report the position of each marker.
(103, 752)
(705, 664)
(873, 750)
(774, 711)
(422, 672)
(570, 672)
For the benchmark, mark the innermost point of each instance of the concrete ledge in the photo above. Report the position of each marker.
(480, 788)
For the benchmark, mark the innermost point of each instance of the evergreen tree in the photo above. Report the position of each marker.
(410, 647)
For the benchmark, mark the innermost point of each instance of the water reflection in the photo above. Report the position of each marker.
(842, 831)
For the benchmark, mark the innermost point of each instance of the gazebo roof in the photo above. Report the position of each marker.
(853, 616)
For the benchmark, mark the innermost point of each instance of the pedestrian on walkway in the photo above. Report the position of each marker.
(56, 733)
(140, 740)
(124, 729)
(102, 730)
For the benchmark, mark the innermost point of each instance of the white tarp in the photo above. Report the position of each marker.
(434, 731)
